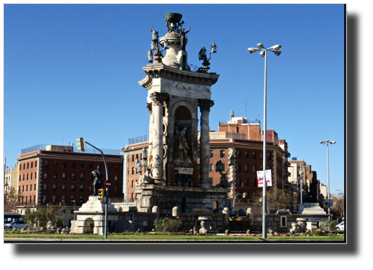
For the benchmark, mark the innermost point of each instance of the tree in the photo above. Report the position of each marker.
(41, 217)
(10, 200)
(339, 204)
(279, 198)
(276, 198)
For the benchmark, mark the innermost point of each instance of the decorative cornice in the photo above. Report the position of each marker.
(147, 82)
(163, 71)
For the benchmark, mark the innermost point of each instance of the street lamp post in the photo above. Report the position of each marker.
(327, 142)
(276, 50)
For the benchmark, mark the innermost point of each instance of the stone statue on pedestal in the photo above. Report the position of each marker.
(97, 183)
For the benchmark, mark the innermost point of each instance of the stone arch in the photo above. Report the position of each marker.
(185, 104)
(89, 224)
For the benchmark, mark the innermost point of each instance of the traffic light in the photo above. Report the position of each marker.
(101, 194)
(81, 144)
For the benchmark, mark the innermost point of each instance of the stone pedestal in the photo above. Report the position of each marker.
(90, 218)
(187, 199)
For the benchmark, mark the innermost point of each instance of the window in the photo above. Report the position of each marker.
(254, 168)
(91, 166)
(238, 154)
(26, 176)
(31, 175)
(44, 198)
(211, 167)
(45, 186)
(116, 178)
(35, 175)
(34, 186)
(36, 163)
(283, 221)
(54, 198)
(238, 182)
(63, 187)
(45, 163)
(63, 198)
(27, 165)
(19, 178)
(261, 155)
(246, 182)
(246, 154)
(81, 199)
(32, 163)
(269, 156)
(222, 153)
(24, 166)
(246, 168)
(26, 188)
(133, 157)
(72, 188)
(132, 183)
(211, 153)
(55, 164)
(254, 155)
(137, 156)
(30, 187)
(73, 165)
(54, 187)
(72, 200)
(64, 165)
(64, 176)
(81, 176)
(116, 167)
(20, 167)
(255, 182)
(45, 175)
(54, 175)
(239, 167)
(133, 170)
(23, 188)
(73, 176)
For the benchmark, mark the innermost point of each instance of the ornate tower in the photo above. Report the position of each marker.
(174, 95)
(178, 100)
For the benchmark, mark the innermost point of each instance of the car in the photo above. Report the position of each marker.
(16, 224)
(340, 226)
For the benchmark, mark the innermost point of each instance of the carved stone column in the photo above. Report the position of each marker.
(156, 136)
(205, 105)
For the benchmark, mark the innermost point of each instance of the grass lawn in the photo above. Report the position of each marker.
(120, 237)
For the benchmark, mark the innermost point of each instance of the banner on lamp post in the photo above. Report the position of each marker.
(268, 178)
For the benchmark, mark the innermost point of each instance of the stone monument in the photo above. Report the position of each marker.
(175, 96)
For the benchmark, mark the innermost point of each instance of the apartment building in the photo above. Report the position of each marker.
(57, 175)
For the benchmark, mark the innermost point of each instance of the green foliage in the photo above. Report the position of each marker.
(316, 232)
(167, 225)
(328, 225)
(41, 217)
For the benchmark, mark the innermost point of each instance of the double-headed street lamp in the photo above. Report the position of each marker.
(327, 147)
(276, 50)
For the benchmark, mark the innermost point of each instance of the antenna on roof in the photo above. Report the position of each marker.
(232, 113)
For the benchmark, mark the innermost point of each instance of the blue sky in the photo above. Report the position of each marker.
(73, 70)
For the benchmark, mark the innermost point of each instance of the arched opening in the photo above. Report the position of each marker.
(88, 225)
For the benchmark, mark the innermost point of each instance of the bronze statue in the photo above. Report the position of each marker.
(97, 183)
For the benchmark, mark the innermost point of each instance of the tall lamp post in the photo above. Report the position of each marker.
(276, 50)
(327, 147)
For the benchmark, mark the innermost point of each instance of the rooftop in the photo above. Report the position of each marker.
(68, 148)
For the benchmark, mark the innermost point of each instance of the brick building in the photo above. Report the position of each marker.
(237, 137)
(58, 176)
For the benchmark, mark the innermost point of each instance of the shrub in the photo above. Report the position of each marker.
(167, 225)
(328, 225)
